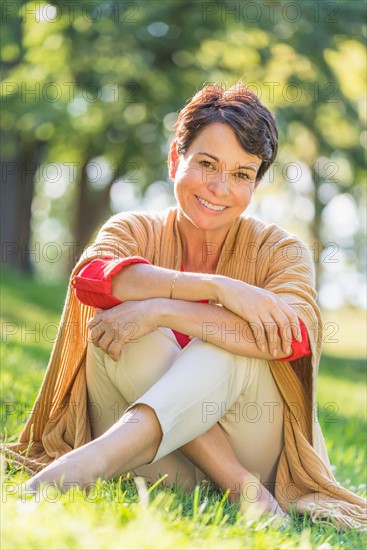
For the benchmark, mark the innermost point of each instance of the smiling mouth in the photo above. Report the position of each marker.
(214, 207)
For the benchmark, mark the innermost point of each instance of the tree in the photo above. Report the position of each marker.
(112, 76)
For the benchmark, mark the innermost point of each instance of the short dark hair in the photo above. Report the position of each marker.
(240, 108)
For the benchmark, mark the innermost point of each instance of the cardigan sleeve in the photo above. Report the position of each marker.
(124, 239)
(287, 270)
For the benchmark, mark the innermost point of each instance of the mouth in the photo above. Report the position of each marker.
(211, 206)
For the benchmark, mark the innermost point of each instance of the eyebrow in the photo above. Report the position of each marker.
(246, 167)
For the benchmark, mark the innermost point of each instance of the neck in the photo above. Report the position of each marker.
(201, 249)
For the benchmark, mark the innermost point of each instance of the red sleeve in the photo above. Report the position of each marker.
(300, 349)
(93, 284)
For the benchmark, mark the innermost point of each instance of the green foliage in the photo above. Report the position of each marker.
(29, 317)
(117, 515)
(103, 85)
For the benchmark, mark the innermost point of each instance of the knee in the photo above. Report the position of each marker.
(140, 412)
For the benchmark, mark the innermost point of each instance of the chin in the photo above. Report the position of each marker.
(208, 225)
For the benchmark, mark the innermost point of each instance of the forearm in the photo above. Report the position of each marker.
(142, 282)
(213, 324)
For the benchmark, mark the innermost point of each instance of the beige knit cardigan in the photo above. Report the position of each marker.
(261, 255)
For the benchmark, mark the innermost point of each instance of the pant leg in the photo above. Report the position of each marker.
(113, 385)
(254, 424)
(106, 404)
(202, 376)
(206, 385)
(143, 363)
(197, 391)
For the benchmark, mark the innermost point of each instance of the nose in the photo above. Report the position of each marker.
(219, 186)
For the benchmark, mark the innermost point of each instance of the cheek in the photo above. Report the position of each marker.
(180, 190)
(189, 173)
(182, 171)
(186, 181)
(245, 195)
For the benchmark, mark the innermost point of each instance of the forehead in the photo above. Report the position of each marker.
(220, 140)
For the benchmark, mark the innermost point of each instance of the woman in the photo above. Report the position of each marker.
(234, 400)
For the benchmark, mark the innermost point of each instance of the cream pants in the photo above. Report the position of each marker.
(190, 390)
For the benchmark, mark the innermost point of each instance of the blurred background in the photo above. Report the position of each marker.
(91, 91)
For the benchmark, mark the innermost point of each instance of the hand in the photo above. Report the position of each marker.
(265, 312)
(111, 328)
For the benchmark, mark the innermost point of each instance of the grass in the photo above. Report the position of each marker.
(116, 514)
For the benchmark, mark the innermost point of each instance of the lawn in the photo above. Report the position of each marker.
(115, 515)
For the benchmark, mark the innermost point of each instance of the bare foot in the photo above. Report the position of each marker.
(253, 494)
(73, 469)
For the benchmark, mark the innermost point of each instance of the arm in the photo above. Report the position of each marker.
(225, 329)
(272, 325)
(111, 329)
(93, 283)
(142, 282)
(272, 321)
(269, 318)
(216, 325)
(263, 310)
(105, 283)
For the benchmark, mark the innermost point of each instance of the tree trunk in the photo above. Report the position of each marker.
(17, 186)
(92, 209)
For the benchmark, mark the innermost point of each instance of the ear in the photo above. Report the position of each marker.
(173, 157)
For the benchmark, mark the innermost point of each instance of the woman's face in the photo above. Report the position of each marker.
(214, 179)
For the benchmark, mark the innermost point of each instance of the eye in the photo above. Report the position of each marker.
(207, 164)
(242, 176)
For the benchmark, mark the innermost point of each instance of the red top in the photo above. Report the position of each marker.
(93, 287)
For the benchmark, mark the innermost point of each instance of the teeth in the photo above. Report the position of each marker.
(211, 206)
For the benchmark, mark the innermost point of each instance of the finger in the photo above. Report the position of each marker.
(106, 340)
(293, 322)
(258, 333)
(292, 318)
(272, 336)
(94, 321)
(284, 332)
(114, 350)
(287, 336)
(295, 327)
(96, 333)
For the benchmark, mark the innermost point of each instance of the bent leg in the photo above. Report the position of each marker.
(191, 408)
(254, 424)
(192, 395)
(140, 365)
(213, 453)
(106, 404)
(201, 376)
(133, 374)
(242, 451)
(113, 385)
(130, 442)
